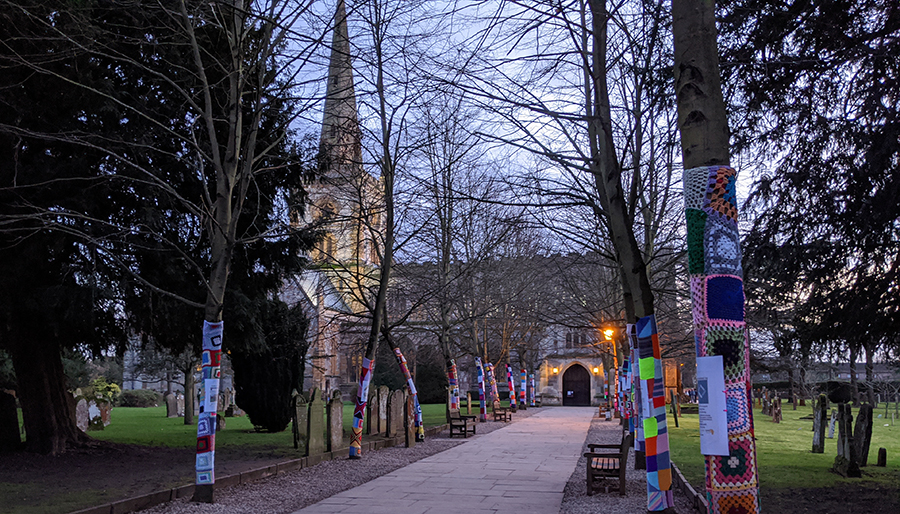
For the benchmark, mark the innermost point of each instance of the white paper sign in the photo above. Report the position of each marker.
(713, 409)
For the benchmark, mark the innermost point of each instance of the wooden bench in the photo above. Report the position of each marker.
(607, 465)
(501, 413)
(461, 425)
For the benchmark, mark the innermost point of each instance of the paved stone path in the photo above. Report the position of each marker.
(519, 469)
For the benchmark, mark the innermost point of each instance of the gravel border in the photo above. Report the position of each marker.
(295, 490)
(575, 498)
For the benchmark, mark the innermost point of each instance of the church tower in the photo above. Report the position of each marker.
(344, 206)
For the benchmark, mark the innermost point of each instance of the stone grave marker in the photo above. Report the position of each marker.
(410, 421)
(315, 423)
(335, 411)
(831, 424)
(383, 394)
(846, 464)
(299, 419)
(82, 415)
(171, 406)
(882, 457)
(820, 413)
(372, 412)
(776, 410)
(862, 434)
(179, 405)
(395, 408)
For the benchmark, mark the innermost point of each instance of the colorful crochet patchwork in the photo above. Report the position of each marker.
(420, 425)
(512, 387)
(717, 291)
(454, 385)
(211, 358)
(659, 469)
(636, 426)
(523, 390)
(482, 407)
(532, 392)
(721, 247)
(359, 410)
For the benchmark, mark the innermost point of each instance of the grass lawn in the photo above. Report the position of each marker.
(150, 427)
(783, 451)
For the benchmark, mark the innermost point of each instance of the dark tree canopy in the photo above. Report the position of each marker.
(816, 87)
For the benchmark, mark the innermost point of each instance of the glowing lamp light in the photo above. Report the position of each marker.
(555, 370)
(608, 334)
(596, 370)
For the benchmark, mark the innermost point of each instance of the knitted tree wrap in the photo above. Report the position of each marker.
(717, 293)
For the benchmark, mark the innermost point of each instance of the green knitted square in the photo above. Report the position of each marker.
(696, 223)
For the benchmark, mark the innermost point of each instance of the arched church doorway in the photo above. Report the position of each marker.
(576, 386)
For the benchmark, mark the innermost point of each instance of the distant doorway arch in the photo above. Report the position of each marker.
(576, 389)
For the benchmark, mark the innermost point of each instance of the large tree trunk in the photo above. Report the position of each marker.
(854, 380)
(606, 170)
(870, 373)
(46, 404)
(189, 395)
(706, 156)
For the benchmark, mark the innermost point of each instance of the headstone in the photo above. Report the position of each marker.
(9, 421)
(794, 399)
(315, 423)
(372, 412)
(862, 434)
(82, 416)
(410, 421)
(299, 419)
(335, 413)
(171, 406)
(846, 464)
(831, 424)
(820, 419)
(395, 416)
(882, 457)
(776, 410)
(179, 402)
(383, 394)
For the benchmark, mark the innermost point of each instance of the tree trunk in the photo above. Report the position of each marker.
(9, 423)
(854, 381)
(46, 404)
(870, 373)
(189, 395)
(705, 152)
(606, 170)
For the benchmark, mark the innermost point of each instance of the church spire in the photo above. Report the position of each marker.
(340, 137)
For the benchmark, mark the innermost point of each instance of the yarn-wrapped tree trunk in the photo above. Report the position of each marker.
(714, 252)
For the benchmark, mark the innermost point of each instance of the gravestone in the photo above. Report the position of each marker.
(846, 464)
(383, 394)
(819, 421)
(776, 410)
(395, 408)
(315, 423)
(299, 419)
(410, 421)
(82, 415)
(862, 434)
(882, 457)
(171, 406)
(831, 424)
(372, 412)
(9, 421)
(335, 413)
(179, 405)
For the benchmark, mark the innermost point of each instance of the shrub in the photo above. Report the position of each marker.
(139, 398)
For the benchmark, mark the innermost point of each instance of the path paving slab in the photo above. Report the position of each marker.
(522, 468)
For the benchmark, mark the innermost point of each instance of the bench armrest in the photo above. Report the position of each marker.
(610, 446)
